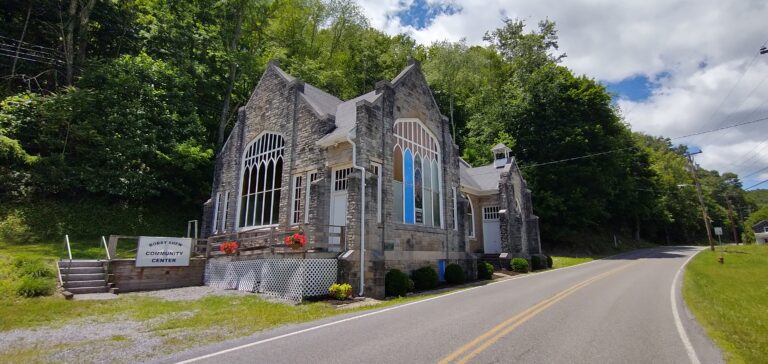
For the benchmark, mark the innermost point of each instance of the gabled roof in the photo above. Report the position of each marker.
(346, 115)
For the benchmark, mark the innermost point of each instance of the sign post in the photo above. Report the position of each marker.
(719, 232)
(163, 252)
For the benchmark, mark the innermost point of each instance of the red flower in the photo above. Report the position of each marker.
(228, 247)
(297, 238)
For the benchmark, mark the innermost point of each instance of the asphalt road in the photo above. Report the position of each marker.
(615, 310)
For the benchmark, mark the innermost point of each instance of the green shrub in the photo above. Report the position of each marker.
(484, 270)
(15, 230)
(340, 291)
(425, 278)
(397, 283)
(454, 274)
(35, 269)
(519, 265)
(550, 263)
(535, 262)
(34, 287)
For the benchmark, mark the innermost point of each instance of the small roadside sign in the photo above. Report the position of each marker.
(718, 231)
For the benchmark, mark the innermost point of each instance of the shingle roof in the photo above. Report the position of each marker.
(346, 115)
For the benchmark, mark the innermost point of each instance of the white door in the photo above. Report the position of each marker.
(491, 230)
(338, 204)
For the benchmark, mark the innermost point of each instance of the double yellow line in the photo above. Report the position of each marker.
(482, 342)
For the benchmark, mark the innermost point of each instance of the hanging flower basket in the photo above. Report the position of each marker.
(295, 241)
(228, 247)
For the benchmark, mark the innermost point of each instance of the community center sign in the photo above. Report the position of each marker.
(163, 252)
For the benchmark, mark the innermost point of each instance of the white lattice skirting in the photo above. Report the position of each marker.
(291, 279)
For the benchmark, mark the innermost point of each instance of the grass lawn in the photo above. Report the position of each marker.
(731, 300)
(562, 262)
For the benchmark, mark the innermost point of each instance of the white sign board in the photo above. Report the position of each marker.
(718, 230)
(163, 252)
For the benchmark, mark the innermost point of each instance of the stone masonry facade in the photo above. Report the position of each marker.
(321, 135)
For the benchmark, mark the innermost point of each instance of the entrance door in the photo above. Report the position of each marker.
(338, 205)
(491, 230)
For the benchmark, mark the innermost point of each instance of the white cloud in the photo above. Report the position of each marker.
(611, 41)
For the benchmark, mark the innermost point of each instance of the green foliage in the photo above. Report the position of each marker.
(484, 270)
(754, 218)
(49, 220)
(397, 283)
(35, 287)
(519, 265)
(425, 278)
(454, 274)
(550, 262)
(538, 263)
(341, 291)
(758, 197)
(35, 269)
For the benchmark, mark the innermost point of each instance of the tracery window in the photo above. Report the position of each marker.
(261, 181)
(470, 218)
(416, 179)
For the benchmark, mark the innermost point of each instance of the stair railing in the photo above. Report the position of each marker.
(106, 249)
(69, 265)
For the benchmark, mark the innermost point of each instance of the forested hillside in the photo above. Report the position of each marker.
(124, 103)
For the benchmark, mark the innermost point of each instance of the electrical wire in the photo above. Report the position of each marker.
(756, 184)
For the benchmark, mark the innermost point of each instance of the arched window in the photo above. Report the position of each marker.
(416, 181)
(261, 181)
(397, 183)
(470, 218)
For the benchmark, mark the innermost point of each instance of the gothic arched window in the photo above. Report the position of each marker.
(416, 183)
(261, 181)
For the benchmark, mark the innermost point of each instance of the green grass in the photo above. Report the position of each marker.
(562, 262)
(731, 300)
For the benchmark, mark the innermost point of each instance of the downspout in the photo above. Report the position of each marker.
(362, 212)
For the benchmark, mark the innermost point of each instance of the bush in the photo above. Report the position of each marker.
(454, 274)
(425, 278)
(535, 262)
(397, 283)
(340, 291)
(34, 287)
(15, 230)
(519, 265)
(484, 270)
(34, 269)
(550, 263)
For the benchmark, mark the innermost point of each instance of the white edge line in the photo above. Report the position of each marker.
(679, 323)
(313, 328)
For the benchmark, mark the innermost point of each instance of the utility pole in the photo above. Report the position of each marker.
(701, 201)
(730, 217)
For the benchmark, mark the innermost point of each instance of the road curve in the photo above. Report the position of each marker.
(614, 310)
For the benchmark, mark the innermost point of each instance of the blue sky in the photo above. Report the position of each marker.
(674, 67)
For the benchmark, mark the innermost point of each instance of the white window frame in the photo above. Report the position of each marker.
(240, 182)
(455, 210)
(215, 227)
(225, 212)
(421, 147)
(312, 176)
(376, 167)
(296, 197)
(471, 217)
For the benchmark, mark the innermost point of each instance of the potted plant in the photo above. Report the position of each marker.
(296, 240)
(228, 247)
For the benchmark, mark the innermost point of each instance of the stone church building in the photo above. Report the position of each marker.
(376, 181)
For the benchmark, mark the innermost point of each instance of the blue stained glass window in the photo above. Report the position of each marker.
(408, 172)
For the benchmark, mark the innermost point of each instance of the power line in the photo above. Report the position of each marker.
(754, 173)
(756, 184)
(627, 148)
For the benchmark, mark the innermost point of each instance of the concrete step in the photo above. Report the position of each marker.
(81, 270)
(80, 263)
(81, 290)
(82, 277)
(93, 283)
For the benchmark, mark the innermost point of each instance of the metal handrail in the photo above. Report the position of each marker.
(106, 249)
(69, 265)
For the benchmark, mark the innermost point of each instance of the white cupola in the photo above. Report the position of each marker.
(501, 155)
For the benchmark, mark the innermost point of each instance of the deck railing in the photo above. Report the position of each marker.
(320, 238)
